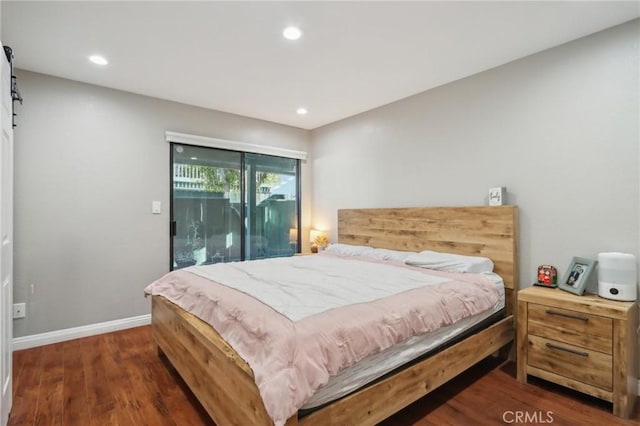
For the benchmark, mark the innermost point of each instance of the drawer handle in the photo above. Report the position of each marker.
(560, 314)
(551, 346)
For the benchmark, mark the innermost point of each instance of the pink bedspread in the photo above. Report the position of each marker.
(291, 360)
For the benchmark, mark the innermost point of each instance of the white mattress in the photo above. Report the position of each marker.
(377, 365)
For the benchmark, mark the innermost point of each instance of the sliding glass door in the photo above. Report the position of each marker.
(205, 205)
(271, 200)
(228, 206)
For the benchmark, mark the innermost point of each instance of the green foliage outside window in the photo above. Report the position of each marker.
(217, 179)
(267, 179)
(213, 181)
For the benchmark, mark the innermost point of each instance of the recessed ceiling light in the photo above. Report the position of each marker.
(302, 111)
(98, 60)
(194, 158)
(292, 33)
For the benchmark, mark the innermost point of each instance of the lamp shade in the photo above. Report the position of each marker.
(313, 235)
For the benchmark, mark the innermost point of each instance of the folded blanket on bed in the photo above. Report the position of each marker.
(299, 320)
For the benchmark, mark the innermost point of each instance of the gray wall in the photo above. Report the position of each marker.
(88, 163)
(559, 129)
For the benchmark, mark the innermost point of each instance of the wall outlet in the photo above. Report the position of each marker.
(19, 310)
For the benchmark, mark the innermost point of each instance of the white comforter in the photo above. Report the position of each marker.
(314, 284)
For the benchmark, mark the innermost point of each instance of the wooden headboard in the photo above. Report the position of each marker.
(477, 231)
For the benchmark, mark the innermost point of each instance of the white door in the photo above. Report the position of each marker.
(6, 238)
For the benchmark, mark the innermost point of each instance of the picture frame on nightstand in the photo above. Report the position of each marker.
(577, 276)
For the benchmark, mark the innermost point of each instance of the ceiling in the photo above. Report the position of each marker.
(231, 56)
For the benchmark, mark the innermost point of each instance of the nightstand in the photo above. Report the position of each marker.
(585, 343)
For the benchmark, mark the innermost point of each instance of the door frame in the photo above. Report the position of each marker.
(6, 235)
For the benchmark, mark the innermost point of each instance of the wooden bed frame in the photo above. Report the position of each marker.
(223, 382)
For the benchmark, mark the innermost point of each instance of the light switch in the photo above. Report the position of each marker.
(156, 207)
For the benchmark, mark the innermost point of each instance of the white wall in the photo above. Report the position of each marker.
(559, 129)
(89, 161)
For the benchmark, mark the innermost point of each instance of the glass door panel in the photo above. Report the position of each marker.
(271, 211)
(206, 205)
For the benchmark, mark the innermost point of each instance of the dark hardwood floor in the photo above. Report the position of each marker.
(117, 379)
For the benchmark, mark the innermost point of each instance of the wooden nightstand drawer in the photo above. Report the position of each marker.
(574, 362)
(577, 328)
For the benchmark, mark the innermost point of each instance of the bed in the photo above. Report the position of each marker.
(224, 383)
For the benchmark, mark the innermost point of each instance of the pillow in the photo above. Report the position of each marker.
(349, 250)
(449, 262)
(393, 255)
(366, 251)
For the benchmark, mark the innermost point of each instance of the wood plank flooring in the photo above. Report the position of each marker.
(118, 379)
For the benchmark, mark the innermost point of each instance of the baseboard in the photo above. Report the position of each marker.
(57, 336)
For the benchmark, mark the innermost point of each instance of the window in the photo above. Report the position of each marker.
(228, 205)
